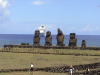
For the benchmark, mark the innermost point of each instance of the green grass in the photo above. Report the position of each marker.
(10, 60)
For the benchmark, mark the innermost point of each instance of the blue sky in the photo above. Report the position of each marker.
(25, 16)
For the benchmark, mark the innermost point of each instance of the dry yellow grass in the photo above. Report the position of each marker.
(22, 60)
(14, 60)
(55, 51)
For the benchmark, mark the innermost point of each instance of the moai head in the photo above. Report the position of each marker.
(48, 33)
(37, 33)
(72, 35)
(83, 41)
(36, 39)
(83, 45)
(72, 40)
(60, 38)
(59, 32)
(48, 39)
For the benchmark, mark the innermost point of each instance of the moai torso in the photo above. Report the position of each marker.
(48, 39)
(60, 38)
(37, 38)
(73, 41)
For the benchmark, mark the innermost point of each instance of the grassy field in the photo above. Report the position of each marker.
(35, 73)
(56, 51)
(20, 58)
(10, 60)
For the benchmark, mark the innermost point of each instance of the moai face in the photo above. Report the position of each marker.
(60, 38)
(83, 41)
(72, 35)
(48, 39)
(37, 32)
(48, 33)
(36, 39)
(59, 32)
(72, 40)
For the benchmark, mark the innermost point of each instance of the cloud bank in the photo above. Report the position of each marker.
(90, 28)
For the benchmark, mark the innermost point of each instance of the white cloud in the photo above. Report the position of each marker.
(90, 28)
(37, 3)
(87, 28)
(4, 3)
(4, 13)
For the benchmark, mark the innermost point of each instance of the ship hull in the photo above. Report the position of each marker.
(42, 34)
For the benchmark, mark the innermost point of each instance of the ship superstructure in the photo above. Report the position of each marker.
(42, 30)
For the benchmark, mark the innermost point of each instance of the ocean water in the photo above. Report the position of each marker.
(6, 39)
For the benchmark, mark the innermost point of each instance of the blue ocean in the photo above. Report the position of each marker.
(6, 39)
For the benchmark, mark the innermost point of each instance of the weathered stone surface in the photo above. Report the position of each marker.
(24, 43)
(36, 39)
(72, 40)
(48, 39)
(83, 45)
(60, 38)
(62, 69)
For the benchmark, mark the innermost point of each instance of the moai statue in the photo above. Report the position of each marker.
(83, 44)
(72, 40)
(36, 38)
(60, 38)
(48, 39)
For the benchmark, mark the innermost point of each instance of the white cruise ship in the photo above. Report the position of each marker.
(42, 30)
